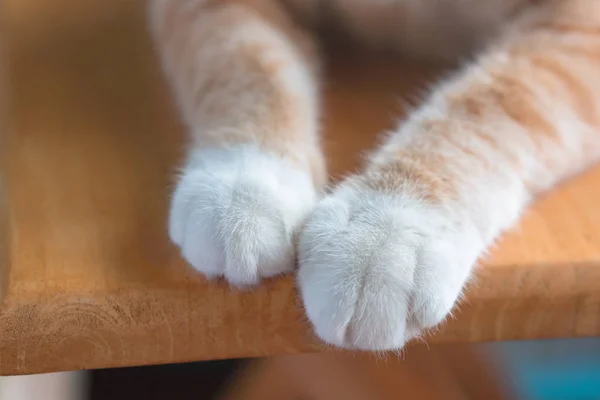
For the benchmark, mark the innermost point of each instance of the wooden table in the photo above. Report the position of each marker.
(88, 165)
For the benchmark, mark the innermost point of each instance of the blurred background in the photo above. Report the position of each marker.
(528, 370)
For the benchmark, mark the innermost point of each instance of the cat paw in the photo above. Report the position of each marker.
(234, 212)
(377, 270)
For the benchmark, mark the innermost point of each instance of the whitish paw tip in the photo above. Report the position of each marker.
(234, 213)
(378, 270)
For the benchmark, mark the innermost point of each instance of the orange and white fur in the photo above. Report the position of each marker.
(385, 254)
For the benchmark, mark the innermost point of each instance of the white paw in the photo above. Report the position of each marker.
(376, 270)
(234, 212)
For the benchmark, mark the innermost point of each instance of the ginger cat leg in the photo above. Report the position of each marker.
(244, 78)
(386, 255)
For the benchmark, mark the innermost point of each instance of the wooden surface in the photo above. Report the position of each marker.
(4, 127)
(88, 165)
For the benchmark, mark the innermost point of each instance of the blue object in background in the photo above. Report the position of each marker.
(550, 369)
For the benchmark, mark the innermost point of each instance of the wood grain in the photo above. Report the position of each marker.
(88, 168)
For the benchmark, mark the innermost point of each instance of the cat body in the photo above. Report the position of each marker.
(385, 254)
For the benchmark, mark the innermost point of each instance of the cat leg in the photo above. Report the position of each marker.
(243, 75)
(386, 255)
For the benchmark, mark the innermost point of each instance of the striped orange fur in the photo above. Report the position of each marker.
(387, 253)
